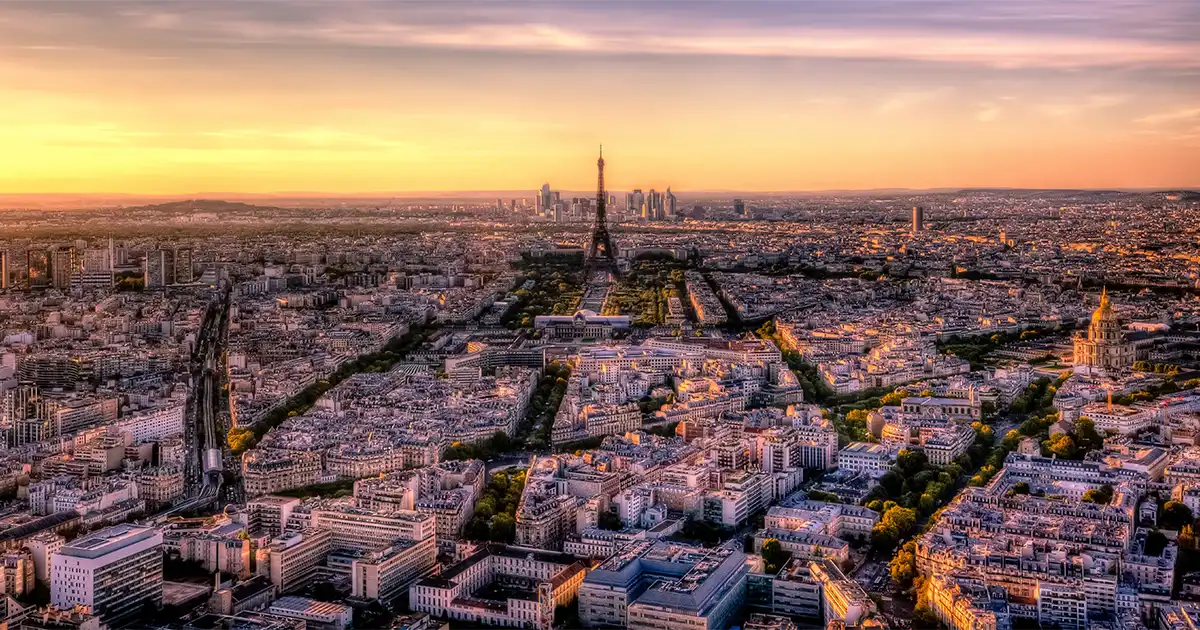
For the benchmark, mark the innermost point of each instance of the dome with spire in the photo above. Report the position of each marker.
(1105, 313)
(1104, 347)
(1105, 326)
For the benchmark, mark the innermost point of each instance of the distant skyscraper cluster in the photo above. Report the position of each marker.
(549, 204)
(639, 205)
(652, 206)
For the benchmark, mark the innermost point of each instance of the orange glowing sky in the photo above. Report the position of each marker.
(178, 97)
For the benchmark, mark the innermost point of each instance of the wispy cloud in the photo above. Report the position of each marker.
(909, 99)
(1080, 36)
(1077, 107)
(1177, 125)
(1009, 52)
(309, 138)
(1170, 117)
(988, 112)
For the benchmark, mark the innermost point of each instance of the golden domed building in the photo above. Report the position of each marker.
(1105, 348)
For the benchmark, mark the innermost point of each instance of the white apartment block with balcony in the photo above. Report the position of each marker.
(115, 572)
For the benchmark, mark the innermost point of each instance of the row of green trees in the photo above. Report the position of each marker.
(498, 444)
(1157, 368)
(1169, 386)
(1036, 425)
(815, 389)
(1030, 428)
(535, 433)
(1038, 397)
(241, 439)
(975, 349)
(937, 485)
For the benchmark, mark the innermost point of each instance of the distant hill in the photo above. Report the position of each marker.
(1184, 195)
(215, 206)
(1046, 191)
(1188, 195)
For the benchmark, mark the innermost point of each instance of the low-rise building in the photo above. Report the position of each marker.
(691, 587)
(316, 614)
(873, 459)
(292, 559)
(503, 586)
(385, 575)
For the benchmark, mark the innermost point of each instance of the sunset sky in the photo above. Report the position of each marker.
(178, 97)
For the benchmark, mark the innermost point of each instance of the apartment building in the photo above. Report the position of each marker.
(534, 583)
(115, 572)
(292, 559)
(268, 515)
(1119, 418)
(357, 529)
(315, 614)
(873, 459)
(690, 587)
(386, 574)
(265, 471)
(844, 600)
(544, 519)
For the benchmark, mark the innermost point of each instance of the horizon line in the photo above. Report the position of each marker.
(211, 195)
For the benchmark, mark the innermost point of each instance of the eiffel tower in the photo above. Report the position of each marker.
(601, 254)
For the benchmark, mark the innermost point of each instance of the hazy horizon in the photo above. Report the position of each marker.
(506, 195)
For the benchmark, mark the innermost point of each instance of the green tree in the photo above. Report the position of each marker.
(609, 521)
(477, 529)
(485, 508)
(903, 566)
(820, 495)
(902, 518)
(895, 524)
(773, 555)
(1061, 445)
(858, 415)
(910, 462)
(1175, 515)
(855, 427)
(1156, 541)
(240, 440)
(504, 529)
(894, 398)
(1102, 495)
(923, 617)
(1086, 436)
